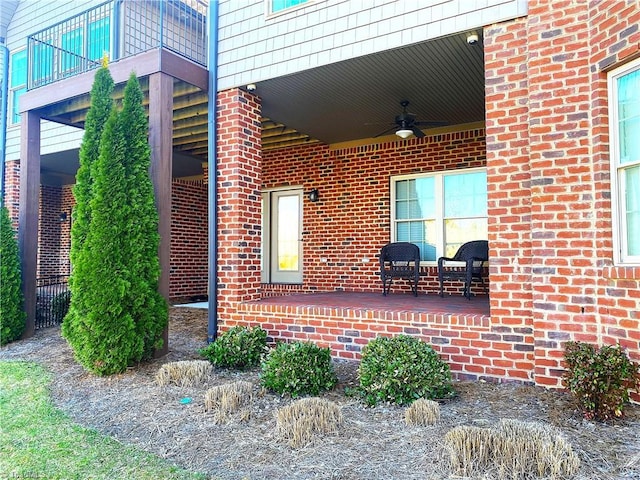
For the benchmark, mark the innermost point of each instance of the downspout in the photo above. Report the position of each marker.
(3, 118)
(212, 328)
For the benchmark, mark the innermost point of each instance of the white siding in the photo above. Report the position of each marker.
(31, 16)
(254, 46)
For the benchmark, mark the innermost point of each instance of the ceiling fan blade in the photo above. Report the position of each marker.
(417, 132)
(386, 131)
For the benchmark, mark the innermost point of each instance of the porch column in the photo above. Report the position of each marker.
(28, 213)
(239, 200)
(161, 143)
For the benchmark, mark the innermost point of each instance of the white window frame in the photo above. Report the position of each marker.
(13, 89)
(439, 199)
(269, 13)
(618, 217)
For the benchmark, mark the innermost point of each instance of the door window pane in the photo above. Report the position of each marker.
(288, 227)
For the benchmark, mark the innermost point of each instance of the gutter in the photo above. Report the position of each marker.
(212, 142)
(4, 51)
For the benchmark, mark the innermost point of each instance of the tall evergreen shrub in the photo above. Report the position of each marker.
(12, 314)
(99, 111)
(121, 315)
(148, 307)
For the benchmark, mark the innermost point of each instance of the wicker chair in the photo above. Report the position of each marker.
(400, 260)
(473, 254)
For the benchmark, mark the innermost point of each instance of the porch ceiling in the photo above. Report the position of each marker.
(443, 80)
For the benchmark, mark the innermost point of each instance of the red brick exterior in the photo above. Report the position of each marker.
(547, 156)
(239, 199)
(189, 240)
(12, 190)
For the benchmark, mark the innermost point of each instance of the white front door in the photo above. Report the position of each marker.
(282, 236)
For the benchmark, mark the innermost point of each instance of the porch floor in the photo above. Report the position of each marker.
(393, 302)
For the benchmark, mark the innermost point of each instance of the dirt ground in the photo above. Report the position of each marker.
(372, 443)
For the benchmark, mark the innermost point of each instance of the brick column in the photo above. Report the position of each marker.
(509, 194)
(239, 199)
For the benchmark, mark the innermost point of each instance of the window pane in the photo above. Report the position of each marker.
(415, 198)
(462, 230)
(98, 38)
(465, 195)
(15, 117)
(277, 5)
(629, 117)
(421, 233)
(632, 209)
(19, 68)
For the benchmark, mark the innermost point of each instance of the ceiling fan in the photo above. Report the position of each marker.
(406, 124)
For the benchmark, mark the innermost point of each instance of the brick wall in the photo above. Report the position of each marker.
(49, 231)
(189, 239)
(346, 228)
(547, 158)
(189, 242)
(239, 198)
(12, 190)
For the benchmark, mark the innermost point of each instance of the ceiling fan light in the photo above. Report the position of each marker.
(404, 133)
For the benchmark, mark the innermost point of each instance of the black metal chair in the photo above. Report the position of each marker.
(400, 260)
(474, 254)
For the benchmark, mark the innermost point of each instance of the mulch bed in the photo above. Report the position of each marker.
(372, 444)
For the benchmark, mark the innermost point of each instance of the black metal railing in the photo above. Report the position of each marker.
(52, 300)
(117, 29)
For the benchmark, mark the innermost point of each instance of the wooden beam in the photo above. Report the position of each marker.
(28, 213)
(160, 129)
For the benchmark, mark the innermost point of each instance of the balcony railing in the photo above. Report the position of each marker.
(118, 29)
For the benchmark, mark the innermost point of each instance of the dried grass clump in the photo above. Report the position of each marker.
(224, 400)
(422, 412)
(188, 373)
(513, 450)
(299, 421)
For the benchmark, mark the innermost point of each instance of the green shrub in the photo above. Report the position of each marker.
(600, 378)
(298, 368)
(12, 314)
(400, 370)
(238, 347)
(60, 305)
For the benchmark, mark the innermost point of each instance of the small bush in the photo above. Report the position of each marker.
(238, 347)
(402, 369)
(298, 368)
(304, 418)
(60, 305)
(600, 378)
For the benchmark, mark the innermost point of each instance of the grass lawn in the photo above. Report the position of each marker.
(39, 441)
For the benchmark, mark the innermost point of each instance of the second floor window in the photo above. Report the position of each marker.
(18, 84)
(277, 6)
(439, 212)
